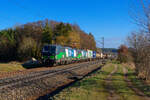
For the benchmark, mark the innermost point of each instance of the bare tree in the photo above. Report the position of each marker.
(140, 14)
(139, 41)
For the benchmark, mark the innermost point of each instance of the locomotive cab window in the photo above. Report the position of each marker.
(46, 49)
(49, 49)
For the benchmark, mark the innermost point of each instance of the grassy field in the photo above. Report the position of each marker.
(121, 87)
(95, 86)
(140, 84)
(11, 67)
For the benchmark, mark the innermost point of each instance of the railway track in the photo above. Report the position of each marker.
(25, 80)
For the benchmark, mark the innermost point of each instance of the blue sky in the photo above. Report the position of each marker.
(104, 18)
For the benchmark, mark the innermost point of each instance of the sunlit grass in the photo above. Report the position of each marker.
(121, 87)
(94, 87)
(90, 88)
(138, 83)
(10, 67)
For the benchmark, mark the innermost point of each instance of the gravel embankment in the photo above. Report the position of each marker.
(33, 89)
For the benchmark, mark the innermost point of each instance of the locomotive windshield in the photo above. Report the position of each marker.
(52, 49)
(49, 49)
(46, 48)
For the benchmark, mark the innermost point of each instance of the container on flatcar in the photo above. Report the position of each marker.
(90, 53)
(69, 55)
(98, 55)
(74, 54)
(83, 52)
(94, 54)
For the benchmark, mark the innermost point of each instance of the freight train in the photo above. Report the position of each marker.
(59, 55)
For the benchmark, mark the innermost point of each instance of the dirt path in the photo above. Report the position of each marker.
(110, 89)
(130, 85)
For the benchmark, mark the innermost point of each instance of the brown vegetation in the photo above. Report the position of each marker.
(25, 41)
(123, 54)
(139, 41)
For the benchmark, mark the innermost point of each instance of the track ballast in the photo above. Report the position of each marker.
(19, 81)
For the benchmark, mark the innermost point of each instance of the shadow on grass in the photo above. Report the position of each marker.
(95, 81)
(120, 86)
(139, 84)
(90, 82)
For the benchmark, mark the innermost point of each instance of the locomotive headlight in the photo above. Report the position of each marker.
(42, 57)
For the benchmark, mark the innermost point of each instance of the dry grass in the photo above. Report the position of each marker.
(11, 67)
(130, 65)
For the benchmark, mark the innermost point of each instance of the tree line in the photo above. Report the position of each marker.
(138, 41)
(25, 41)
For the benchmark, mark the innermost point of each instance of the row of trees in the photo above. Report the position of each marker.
(25, 41)
(139, 40)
